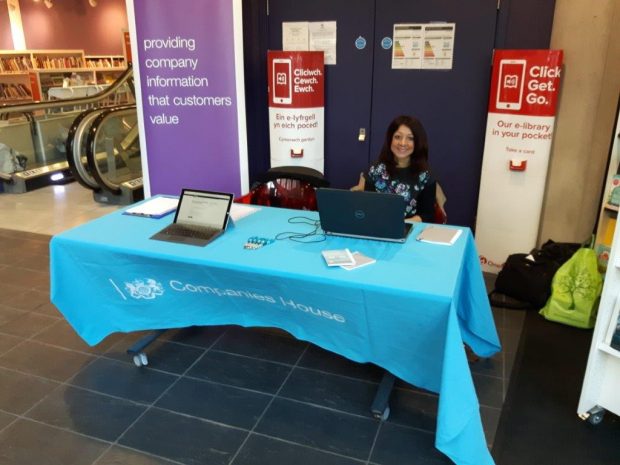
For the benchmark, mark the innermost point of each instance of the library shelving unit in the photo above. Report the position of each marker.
(602, 378)
(28, 74)
(608, 212)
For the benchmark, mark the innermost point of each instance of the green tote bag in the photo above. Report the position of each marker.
(575, 291)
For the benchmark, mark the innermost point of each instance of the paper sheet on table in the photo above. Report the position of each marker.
(239, 211)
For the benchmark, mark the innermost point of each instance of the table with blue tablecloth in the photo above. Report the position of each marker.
(410, 312)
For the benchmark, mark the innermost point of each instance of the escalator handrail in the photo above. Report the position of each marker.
(47, 104)
(73, 146)
(91, 140)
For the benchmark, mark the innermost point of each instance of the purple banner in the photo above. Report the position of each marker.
(188, 99)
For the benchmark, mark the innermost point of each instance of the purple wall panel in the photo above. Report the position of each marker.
(74, 24)
(6, 41)
(202, 149)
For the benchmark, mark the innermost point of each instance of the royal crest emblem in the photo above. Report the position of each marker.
(144, 289)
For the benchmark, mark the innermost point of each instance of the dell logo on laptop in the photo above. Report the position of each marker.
(359, 214)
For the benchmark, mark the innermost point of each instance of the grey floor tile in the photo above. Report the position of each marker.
(88, 413)
(493, 366)
(509, 338)
(43, 360)
(19, 392)
(162, 355)
(324, 360)
(399, 445)
(63, 335)
(29, 443)
(261, 450)
(244, 372)
(123, 456)
(414, 409)
(514, 319)
(319, 428)
(199, 336)
(216, 402)
(187, 440)
(333, 391)
(490, 390)
(261, 344)
(123, 380)
(490, 421)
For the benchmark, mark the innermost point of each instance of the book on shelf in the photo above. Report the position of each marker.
(14, 91)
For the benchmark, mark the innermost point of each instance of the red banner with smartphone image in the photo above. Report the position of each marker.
(523, 97)
(525, 82)
(296, 108)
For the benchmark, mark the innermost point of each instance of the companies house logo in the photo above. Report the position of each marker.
(144, 289)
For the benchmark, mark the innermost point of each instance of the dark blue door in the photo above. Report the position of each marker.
(348, 84)
(451, 104)
(363, 91)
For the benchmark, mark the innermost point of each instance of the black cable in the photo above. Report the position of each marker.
(304, 238)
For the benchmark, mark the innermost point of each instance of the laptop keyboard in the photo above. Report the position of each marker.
(186, 230)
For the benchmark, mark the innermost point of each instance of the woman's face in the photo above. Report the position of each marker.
(402, 145)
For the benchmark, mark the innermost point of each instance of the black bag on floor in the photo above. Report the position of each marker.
(526, 280)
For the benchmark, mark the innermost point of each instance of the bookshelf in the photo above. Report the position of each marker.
(26, 75)
(608, 214)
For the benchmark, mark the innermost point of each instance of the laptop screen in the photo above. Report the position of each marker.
(203, 208)
(369, 215)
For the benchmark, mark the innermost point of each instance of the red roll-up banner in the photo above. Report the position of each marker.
(523, 98)
(296, 108)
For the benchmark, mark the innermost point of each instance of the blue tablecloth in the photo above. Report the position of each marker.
(409, 312)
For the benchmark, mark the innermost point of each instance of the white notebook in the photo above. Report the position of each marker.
(439, 235)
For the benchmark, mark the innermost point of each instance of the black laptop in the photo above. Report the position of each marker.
(368, 215)
(201, 217)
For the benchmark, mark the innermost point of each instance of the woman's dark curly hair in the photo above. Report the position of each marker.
(419, 157)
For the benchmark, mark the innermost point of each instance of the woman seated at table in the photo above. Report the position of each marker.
(402, 168)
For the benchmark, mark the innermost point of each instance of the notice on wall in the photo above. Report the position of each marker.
(311, 36)
(296, 109)
(523, 98)
(190, 94)
(322, 37)
(295, 36)
(423, 46)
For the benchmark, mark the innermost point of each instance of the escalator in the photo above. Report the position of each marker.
(103, 152)
(33, 136)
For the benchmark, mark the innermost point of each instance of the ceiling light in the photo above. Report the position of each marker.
(92, 3)
(48, 3)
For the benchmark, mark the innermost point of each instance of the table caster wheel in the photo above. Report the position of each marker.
(383, 415)
(140, 359)
(596, 418)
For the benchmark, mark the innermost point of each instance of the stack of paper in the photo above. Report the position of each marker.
(154, 208)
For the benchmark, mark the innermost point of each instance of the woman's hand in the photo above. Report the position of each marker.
(413, 219)
(361, 184)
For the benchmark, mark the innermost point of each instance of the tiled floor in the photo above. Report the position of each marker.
(216, 395)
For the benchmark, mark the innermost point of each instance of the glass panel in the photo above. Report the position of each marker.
(117, 148)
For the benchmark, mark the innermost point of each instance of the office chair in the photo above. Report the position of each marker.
(291, 187)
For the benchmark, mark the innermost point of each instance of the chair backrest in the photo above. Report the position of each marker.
(287, 187)
(441, 217)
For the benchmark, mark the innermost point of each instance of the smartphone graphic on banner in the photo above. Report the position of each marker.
(510, 85)
(282, 85)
